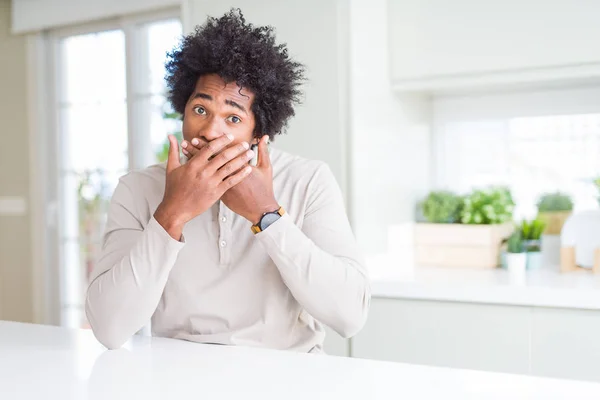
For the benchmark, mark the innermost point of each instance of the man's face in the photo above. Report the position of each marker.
(216, 108)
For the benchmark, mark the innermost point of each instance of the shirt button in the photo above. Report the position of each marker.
(223, 219)
(223, 243)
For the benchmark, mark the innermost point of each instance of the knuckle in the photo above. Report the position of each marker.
(202, 174)
(211, 148)
(225, 156)
(226, 170)
(229, 182)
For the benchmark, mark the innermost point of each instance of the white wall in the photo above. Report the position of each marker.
(16, 289)
(319, 40)
(36, 15)
(390, 147)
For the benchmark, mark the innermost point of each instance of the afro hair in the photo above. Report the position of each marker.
(238, 52)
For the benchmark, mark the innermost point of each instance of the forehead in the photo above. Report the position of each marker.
(220, 91)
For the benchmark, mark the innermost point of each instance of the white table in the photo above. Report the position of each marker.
(42, 362)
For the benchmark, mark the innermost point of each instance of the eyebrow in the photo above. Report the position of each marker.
(232, 103)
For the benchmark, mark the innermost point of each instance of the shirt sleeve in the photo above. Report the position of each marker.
(321, 263)
(131, 272)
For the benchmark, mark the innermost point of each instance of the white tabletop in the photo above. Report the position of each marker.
(42, 362)
(546, 287)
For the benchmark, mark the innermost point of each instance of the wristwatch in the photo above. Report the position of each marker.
(267, 219)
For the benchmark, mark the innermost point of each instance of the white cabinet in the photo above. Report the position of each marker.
(440, 43)
(484, 337)
(566, 343)
(335, 345)
(559, 343)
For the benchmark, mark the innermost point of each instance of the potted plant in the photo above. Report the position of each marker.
(531, 234)
(442, 207)
(516, 258)
(464, 231)
(553, 210)
(485, 207)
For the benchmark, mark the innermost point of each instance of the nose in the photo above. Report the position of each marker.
(211, 130)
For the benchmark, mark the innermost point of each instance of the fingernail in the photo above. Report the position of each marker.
(229, 136)
(248, 170)
(245, 145)
(184, 144)
(195, 142)
(250, 153)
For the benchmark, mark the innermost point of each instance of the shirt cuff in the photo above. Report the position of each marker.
(156, 229)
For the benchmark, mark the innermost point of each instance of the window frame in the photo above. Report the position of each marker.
(46, 85)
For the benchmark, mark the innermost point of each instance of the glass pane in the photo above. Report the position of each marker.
(163, 36)
(93, 155)
(163, 121)
(95, 135)
(86, 197)
(554, 153)
(532, 155)
(93, 67)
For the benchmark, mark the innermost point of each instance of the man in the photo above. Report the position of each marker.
(213, 249)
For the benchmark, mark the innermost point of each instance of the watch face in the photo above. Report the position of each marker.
(268, 219)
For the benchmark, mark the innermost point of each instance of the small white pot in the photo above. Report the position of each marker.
(516, 262)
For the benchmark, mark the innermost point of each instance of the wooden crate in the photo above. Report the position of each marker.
(457, 245)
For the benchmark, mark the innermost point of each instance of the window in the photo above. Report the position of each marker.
(531, 143)
(113, 116)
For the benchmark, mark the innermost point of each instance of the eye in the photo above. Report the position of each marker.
(199, 110)
(234, 119)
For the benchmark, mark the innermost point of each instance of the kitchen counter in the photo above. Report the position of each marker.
(58, 363)
(546, 287)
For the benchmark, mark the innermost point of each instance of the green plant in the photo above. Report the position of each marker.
(532, 230)
(93, 196)
(597, 184)
(442, 207)
(163, 152)
(553, 202)
(515, 243)
(487, 206)
(531, 233)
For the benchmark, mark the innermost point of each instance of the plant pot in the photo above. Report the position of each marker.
(458, 245)
(554, 221)
(516, 262)
(534, 260)
(532, 246)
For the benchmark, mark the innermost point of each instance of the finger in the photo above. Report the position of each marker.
(234, 165)
(227, 155)
(235, 179)
(264, 160)
(214, 146)
(173, 157)
(190, 150)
